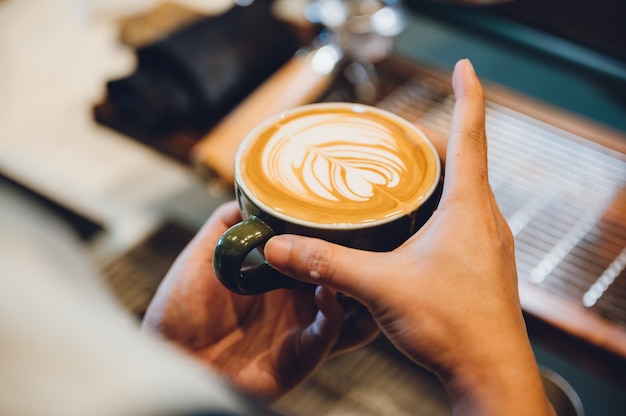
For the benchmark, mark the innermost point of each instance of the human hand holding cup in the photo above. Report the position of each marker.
(347, 173)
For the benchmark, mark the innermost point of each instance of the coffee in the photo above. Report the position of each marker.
(347, 173)
(337, 164)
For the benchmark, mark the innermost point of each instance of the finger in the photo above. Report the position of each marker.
(339, 268)
(313, 344)
(354, 324)
(466, 170)
(336, 330)
(359, 329)
(328, 303)
(320, 336)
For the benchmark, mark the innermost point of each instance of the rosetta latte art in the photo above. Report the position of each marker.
(317, 159)
(338, 164)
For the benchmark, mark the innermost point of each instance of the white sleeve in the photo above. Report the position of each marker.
(68, 349)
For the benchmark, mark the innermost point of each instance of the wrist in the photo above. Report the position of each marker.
(502, 379)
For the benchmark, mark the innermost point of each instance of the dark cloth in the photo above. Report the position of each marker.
(191, 79)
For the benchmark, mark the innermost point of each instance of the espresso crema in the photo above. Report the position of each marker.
(337, 164)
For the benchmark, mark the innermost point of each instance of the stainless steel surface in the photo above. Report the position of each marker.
(563, 397)
(365, 29)
(365, 32)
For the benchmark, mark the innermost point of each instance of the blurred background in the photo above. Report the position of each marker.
(118, 121)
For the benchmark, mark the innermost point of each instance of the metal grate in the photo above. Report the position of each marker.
(564, 197)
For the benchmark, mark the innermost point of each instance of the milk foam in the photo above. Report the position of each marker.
(338, 164)
(330, 157)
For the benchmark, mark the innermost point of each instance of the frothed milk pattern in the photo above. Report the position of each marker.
(333, 158)
(353, 165)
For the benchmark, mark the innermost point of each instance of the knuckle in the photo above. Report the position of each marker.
(319, 263)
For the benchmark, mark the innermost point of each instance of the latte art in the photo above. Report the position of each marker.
(333, 158)
(337, 164)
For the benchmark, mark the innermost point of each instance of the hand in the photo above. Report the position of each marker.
(448, 297)
(265, 344)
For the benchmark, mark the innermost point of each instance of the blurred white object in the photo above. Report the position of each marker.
(364, 29)
(67, 348)
(57, 56)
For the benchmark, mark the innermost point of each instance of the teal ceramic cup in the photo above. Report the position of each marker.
(350, 174)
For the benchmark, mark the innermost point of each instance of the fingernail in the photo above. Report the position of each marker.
(463, 71)
(465, 65)
(320, 290)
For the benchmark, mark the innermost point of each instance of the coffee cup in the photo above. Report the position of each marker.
(347, 173)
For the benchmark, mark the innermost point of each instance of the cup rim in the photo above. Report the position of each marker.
(356, 107)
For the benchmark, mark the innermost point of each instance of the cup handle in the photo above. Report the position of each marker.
(231, 250)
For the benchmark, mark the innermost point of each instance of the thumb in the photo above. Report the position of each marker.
(466, 164)
(319, 262)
